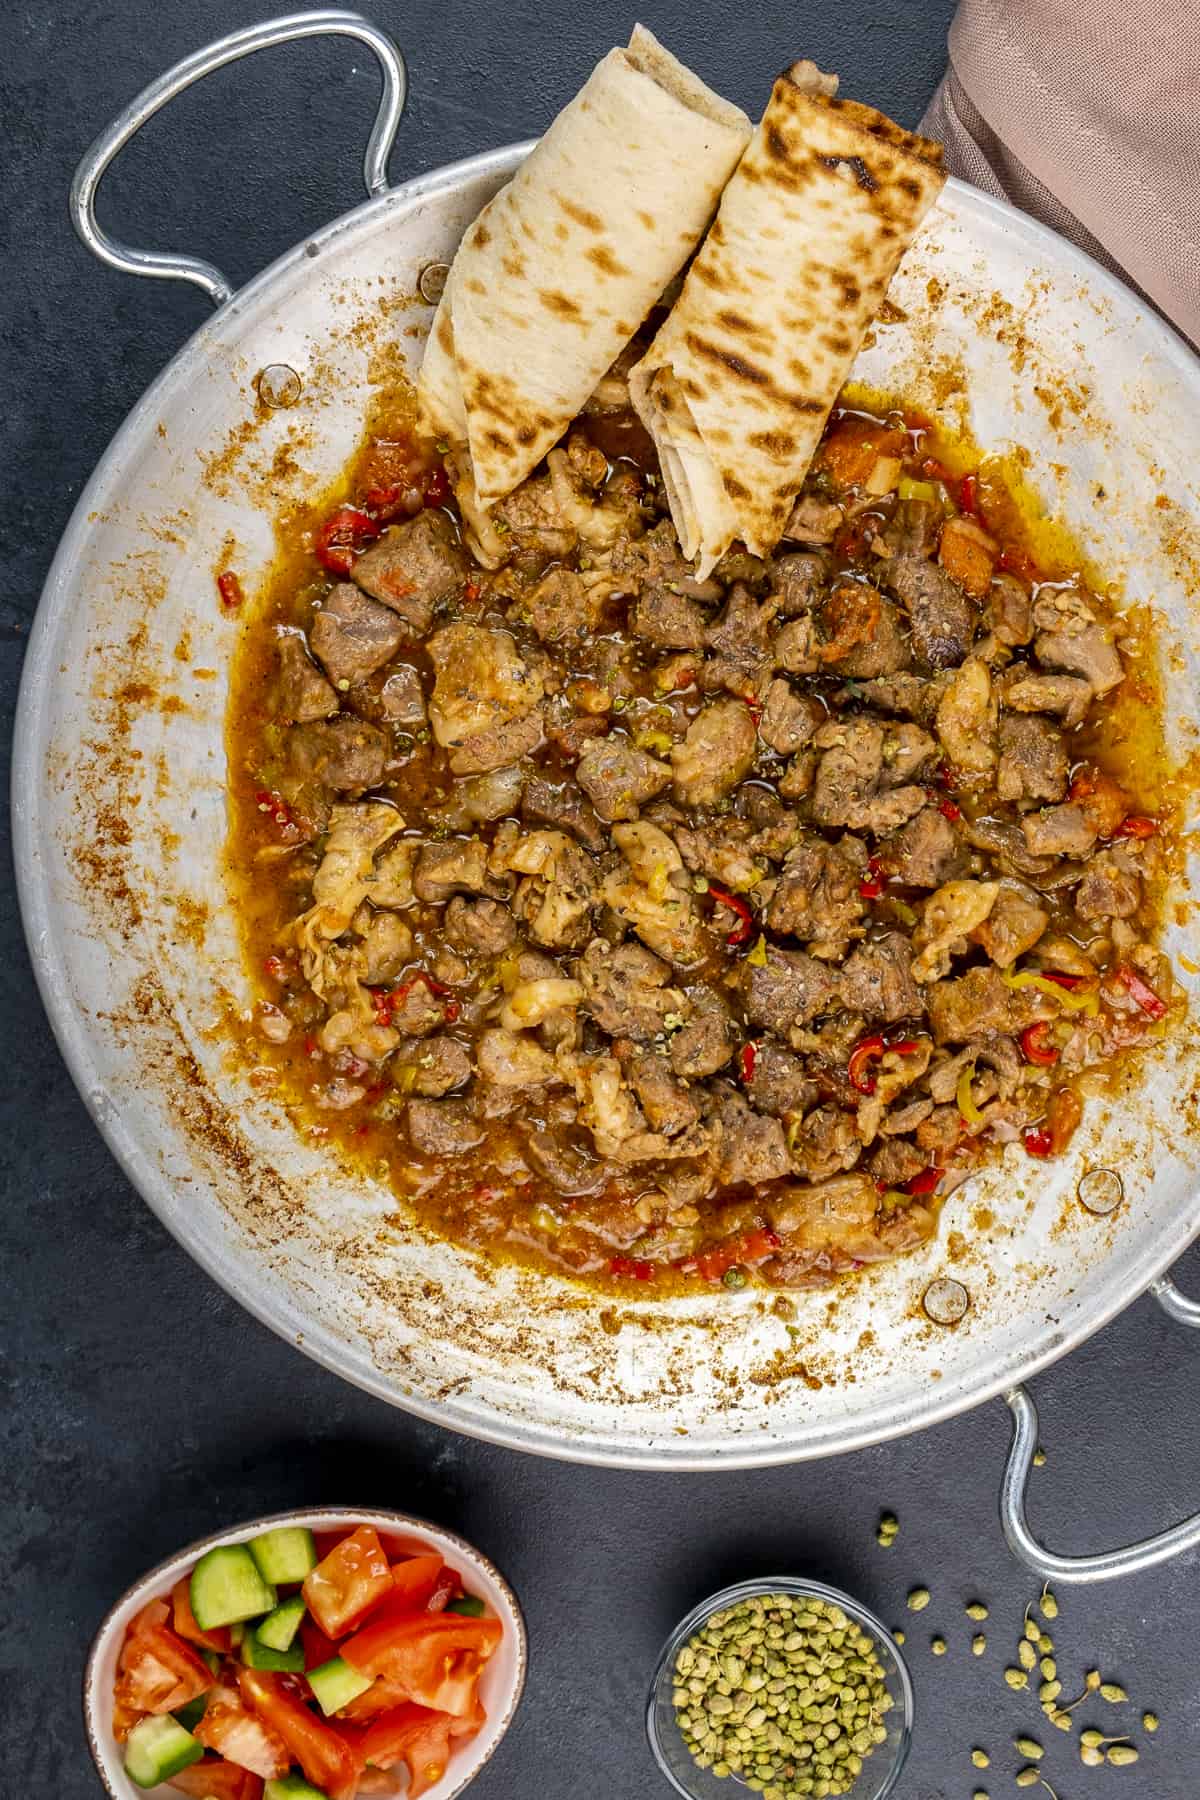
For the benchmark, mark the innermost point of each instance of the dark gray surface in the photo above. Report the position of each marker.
(142, 1408)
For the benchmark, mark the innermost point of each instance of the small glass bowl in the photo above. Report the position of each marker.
(880, 1771)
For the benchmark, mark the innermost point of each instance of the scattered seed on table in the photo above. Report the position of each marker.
(898, 1634)
(1028, 1777)
(938, 1646)
(981, 1759)
(1039, 1458)
(1091, 1680)
(1033, 1630)
(1049, 1690)
(918, 1599)
(1121, 1755)
(1113, 1692)
(1149, 1721)
(1016, 1678)
(1092, 1739)
(980, 1794)
(1026, 1655)
(1048, 1605)
(1090, 1757)
(1030, 1749)
(1045, 1645)
(978, 1644)
(1061, 1719)
(977, 1610)
(1048, 1667)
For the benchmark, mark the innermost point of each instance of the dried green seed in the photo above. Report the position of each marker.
(1113, 1692)
(1028, 1778)
(1048, 1667)
(1061, 1719)
(981, 1759)
(979, 1794)
(1046, 1645)
(898, 1635)
(1033, 1630)
(1039, 1458)
(977, 1610)
(1049, 1690)
(1016, 1678)
(919, 1599)
(1026, 1655)
(1149, 1721)
(938, 1646)
(1092, 1680)
(1029, 1748)
(978, 1644)
(1091, 1758)
(1121, 1755)
(1048, 1605)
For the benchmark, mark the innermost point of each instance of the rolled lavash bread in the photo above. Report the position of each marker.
(561, 267)
(737, 385)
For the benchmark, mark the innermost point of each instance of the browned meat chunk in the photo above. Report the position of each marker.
(940, 1131)
(966, 551)
(1008, 614)
(744, 626)
(798, 647)
(817, 899)
(1088, 651)
(563, 805)
(778, 1083)
(751, 1148)
(484, 698)
(433, 1067)
(705, 1041)
(1033, 760)
(966, 719)
(498, 747)
(813, 520)
(564, 606)
(416, 1010)
(667, 1104)
(788, 719)
(566, 1161)
(625, 990)
(1058, 831)
(302, 694)
(979, 1004)
(861, 634)
(942, 616)
(912, 696)
(850, 775)
(825, 1143)
(923, 853)
(715, 754)
(443, 1127)
(896, 1162)
(1006, 843)
(799, 582)
(413, 568)
(402, 699)
(353, 635)
(789, 989)
(345, 756)
(456, 867)
(667, 618)
(1025, 691)
(912, 529)
(619, 779)
(878, 982)
(1111, 887)
(1013, 926)
(480, 927)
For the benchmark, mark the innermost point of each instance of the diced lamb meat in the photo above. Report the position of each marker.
(514, 1059)
(796, 782)
(825, 1143)
(877, 979)
(302, 694)
(798, 647)
(656, 558)
(562, 805)
(705, 1041)
(906, 750)
(566, 1161)
(1111, 887)
(799, 581)
(940, 1132)
(353, 635)
(413, 568)
(416, 1011)
(619, 779)
(979, 1004)
(387, 944)
(455, 867)
(1058, 831)
(345, 755)
(744, 625)
(813, 520)
(477, 799)
(482, 685)
(557, 904)
(626, 991)
(479, 927)
(1033, 760)
(864, 636)
(905, 1118)
(751, 1148)
(402, 698)
(500, 746)
(1008, 613)
(778, 1083)
(966, 552)
(848, 778)
(838, 1213)
(912, 529)
(666, 1102)
(1089, 652)
(1006, 844)
(668, 619)
(912, 696)
(1013, 926)
(923, 853)
(443, 1127)
(1023, 690)
(966, 719)
(942, 616)
(947, 919)
(789, 989)
(715, 754)
(434, 1067)
(817, 899)
(788, 719)
(896, 1162)
(564, 605)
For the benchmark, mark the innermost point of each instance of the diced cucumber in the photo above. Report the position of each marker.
(336, 1684)
(227, 1587)
(286, 1554)
(158, 1748)
(470, 1605)
(280, 1627)
(189, 1716)
(236, 1633)
(292, 1787)
(257, 1655)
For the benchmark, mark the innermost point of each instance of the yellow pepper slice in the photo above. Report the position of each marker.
(1068, 998)
(966, 1099)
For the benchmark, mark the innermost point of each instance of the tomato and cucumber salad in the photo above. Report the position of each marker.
(297, 1666)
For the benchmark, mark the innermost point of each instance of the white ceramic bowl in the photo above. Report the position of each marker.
(500, 1689)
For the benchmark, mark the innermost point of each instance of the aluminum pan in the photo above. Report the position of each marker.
(119, 814)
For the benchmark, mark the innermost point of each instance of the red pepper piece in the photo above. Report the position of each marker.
(276, 967)
(1064, 980)
(230, 590)
(1035, 1047)
(1037, 1141)
(1137, 825)
(472, 591)
(745, 917)
(451, 1011)
(747, 1247)
(1015, 561)
(634, 1267)
(1141, 991)
(933, 470)
(968, 495)
(339, 540)
(925, 1182)
(871, 885)
(867, 1050)
(747, 1060)
(278, 811)
(949, 809)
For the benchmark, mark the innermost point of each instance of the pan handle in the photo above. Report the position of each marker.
(178, 267)
(1107, 1563)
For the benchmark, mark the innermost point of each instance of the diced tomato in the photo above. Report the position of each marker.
(435, 1657)
(341, 537)
(347, 1583)
(747, 1247)
(157, 1671)
(413, 1581)
(325, 1541)
(633, 1268)
(447, 1587)
(871, 885)
(1015, 561)
(379, 1781)
(378, 1698)
(240, 1736)
(279, 813)
(867, 1050)
(1037, 1142)
(230, 590)
(397, 1549)
(215, 1780)
(924, 1183)
(327, 1758)
(968, 494)
(747, 1060)
(184, 1621)
(318, 1648)
(1103, 800)
(415, 1736)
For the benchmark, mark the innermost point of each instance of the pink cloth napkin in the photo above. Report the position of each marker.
(1086, 113)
